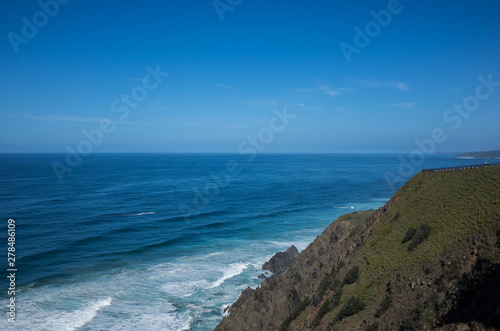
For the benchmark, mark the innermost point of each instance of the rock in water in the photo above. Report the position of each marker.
(281, 261)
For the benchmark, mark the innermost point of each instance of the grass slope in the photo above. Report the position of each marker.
(454, 205)
(431, 217)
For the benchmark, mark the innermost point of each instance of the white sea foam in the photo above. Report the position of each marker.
(224, 307)
(74, 320)
(183, 289)
(146, 213)
(215, 254)
(158, 316)
(233, 270)
(171, 295)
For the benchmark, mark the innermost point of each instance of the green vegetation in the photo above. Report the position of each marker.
(431, 219)
(409, 235)
(434, 212)
(329, 282)
(413, 320)
(297, 277)
(422, 315)
(336, 298)
(395, 217)
(356, 217)
(384, 306)
(294, 314)
(325, 308)
(353, 306)
(416, 236)
(352, 276)
(381, 233)
(423, 232)
(455, 204)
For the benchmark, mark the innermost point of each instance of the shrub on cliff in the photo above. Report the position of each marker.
(353, 306)
(384, 306)
(423, 232)
(352, 275)
(325, 308)
(326, 283)
(409, 235)
(294, 314)
(416, 236)
(336, 298)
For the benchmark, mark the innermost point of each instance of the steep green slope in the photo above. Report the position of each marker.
(457, 215)
(453, 204)
(429, 259)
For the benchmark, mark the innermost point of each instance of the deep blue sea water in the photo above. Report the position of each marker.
(166, 241)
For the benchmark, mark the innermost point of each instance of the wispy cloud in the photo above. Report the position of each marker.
(408, 105)
(265, 103)
(382, 83)
(328, 91)
(400, 85)
(324, 89)
(223, 86)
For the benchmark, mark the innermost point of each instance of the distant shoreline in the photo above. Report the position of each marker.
(479, 155)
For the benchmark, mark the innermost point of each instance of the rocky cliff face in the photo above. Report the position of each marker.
(428, 259)
(281, 261)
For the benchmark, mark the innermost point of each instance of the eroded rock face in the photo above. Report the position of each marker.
(244, 296)
(281, 261)
(278, 295)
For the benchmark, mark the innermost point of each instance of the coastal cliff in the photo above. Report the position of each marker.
(428, 259)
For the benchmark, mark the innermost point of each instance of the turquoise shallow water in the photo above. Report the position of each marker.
(166, 241)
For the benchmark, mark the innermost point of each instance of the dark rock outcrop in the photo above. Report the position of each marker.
(244, 296)
(281, 261)
(280, 294)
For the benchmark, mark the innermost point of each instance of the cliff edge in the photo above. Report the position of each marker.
(428, 259)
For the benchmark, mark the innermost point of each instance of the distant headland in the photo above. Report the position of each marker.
(480, 155)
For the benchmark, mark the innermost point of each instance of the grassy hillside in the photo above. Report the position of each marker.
(431, 236)
(428, 259)
(454, 205)
(356, 218)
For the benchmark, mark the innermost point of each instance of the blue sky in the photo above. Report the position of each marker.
(225, 77)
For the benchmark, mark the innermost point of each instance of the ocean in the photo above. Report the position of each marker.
(167, 241)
